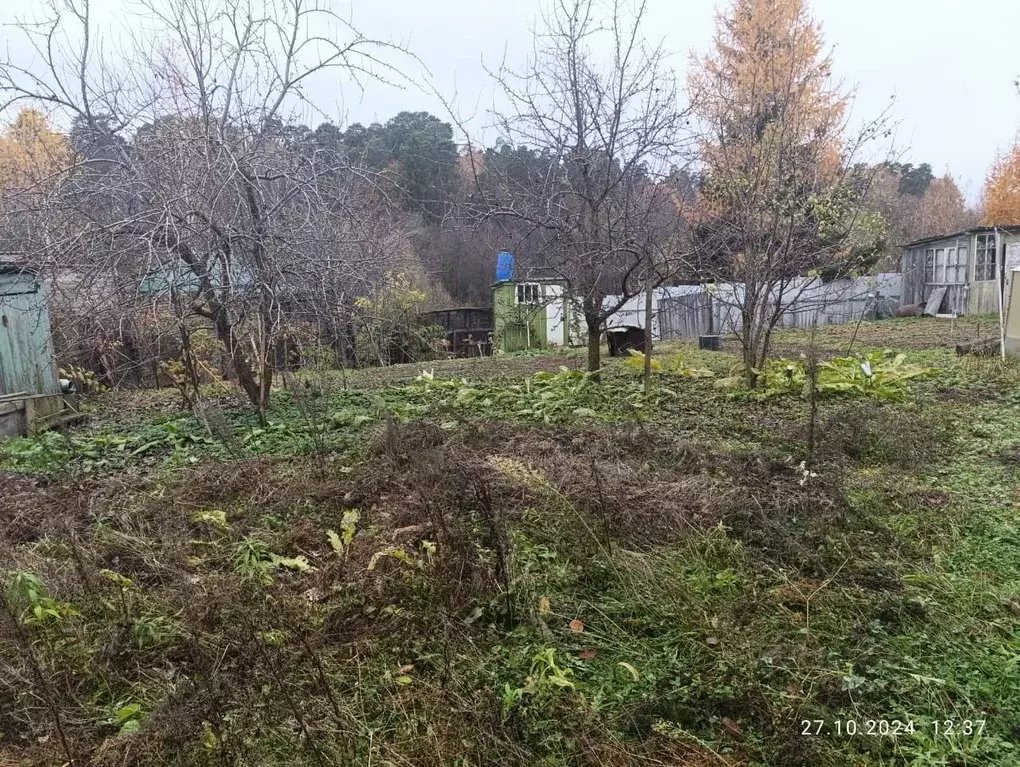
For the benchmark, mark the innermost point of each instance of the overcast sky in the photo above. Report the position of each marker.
(948, 63)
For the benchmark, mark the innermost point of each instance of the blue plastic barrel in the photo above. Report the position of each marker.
(504, 266)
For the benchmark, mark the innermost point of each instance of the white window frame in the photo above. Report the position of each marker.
(962, 264)
(985, 258)
(528, 293)
(951, 266)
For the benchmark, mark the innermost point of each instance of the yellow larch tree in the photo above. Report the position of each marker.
(781, 194)
(31, 153)
(766, 88)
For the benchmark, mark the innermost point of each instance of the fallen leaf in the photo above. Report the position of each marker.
(406, 669)
(630, 670)
(587, 654)
(733, 727)
(712, 641)
(576, 626)
(544, 605)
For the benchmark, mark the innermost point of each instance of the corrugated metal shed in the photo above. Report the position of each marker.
(27, 361)
(1011, 228)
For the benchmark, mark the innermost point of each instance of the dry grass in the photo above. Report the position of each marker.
(475, 368)
(722, 594)
(917, 333)
(425, 486)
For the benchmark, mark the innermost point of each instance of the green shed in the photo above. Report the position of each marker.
(29, 387)
(535, 314)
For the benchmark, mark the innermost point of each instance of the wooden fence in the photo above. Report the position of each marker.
(687, 316)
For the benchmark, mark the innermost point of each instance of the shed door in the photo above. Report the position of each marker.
(554, 314)
(26, 349)
(1010, 264)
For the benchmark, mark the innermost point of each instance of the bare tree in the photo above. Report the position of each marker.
(593, 132)
(198, 185)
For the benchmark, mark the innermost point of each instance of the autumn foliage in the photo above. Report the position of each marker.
(1002, 190)
(31, 153)
(916, 206)
(782, 191)
(766, 87)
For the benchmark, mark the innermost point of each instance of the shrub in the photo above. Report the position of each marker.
(390, 328)
(874, 434)
(878, 375)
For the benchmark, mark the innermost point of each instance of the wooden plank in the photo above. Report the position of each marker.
(20, 396)
(935, 300)
(685, 316)
(11, 406)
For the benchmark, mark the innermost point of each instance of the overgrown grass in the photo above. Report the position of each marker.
(523, 570)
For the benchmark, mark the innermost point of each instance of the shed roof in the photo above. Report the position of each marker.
(15, 265)
(522, 280)
(1011, 228)
(461, 309)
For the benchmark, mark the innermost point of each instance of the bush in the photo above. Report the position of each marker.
(873, 434)
(878, 375)
(390, 328)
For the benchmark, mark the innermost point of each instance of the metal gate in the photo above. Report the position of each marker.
(685, 316)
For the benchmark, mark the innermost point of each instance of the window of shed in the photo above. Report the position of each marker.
(961, 265)
(529, 293)
(953, 266)
(940, 265)
(984, 262)
(929, 265)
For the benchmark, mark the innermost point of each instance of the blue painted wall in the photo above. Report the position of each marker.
(26, 345)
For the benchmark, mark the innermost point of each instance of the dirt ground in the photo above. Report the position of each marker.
(900, 334)
(502, 572)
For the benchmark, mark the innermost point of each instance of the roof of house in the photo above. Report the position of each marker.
(522, 280)
(14, 263)
(460, 309)
(973, 230)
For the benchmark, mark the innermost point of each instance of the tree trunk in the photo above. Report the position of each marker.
(747, 343)
(749, 367)
(242, 365)
(812, 374)
(648, 340)
(594, 346)
(755, 334)
(246, 379)
(766, 348)
(189, 389)
(217, 311)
